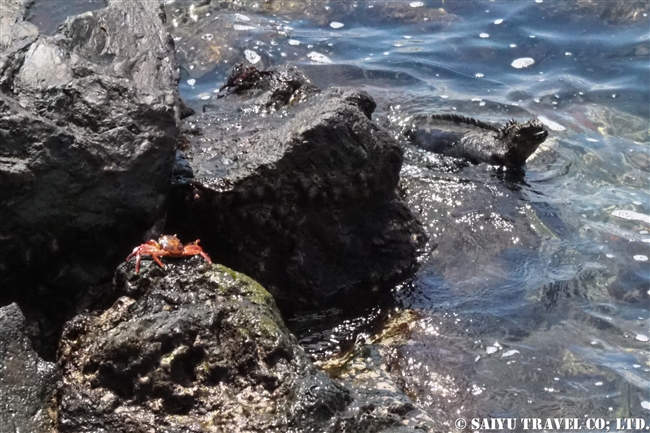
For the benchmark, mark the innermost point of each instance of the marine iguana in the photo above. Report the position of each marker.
(465, 137)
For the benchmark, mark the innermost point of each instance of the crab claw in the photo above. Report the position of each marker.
(194, 249)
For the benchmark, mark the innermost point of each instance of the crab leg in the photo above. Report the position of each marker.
(194, 249)
(136, 253)
(205, 256)
(138, 257)
(157, 260)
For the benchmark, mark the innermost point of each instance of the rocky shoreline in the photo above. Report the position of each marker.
(95, 159)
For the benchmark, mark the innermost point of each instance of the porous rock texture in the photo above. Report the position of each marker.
(304, 199)
(27, 383)
(89, 119)
(201, 348)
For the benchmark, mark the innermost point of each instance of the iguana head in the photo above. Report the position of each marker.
(522, 139)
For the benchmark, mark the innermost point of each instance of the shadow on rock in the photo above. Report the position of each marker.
(27, 383)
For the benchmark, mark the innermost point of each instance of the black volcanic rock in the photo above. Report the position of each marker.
(89, 120)
(304, 200)
(27, 383)
(201, 348)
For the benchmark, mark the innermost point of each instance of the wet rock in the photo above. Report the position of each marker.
(27, 383)
(367, 371)
(474, 214)
(250, 89)
(199, 348)
(266, 90)
(378, 397)
(305, 200)
(89, 119)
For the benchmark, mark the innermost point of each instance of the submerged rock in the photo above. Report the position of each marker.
(613, 13)
(211, 34)
(474, 214)
(27, 383)
(304, 200)
(89, 119)
(368, 370)
(201, 348)
(477, 141)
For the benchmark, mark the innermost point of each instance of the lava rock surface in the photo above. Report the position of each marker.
(27, 383)
(304, 200)
(201, 348)
(89, 121)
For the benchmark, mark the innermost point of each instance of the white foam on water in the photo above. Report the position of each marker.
(240, 17)
(252, 56)
(640, 258)
(336, 25)
(294, 42)
(509, 353)
(499, 21)
(642, 337)
(484, 35)
(191, 81)
(241, 27)
(318, 57)
(416, 4)
(522, 62)
(631, 215)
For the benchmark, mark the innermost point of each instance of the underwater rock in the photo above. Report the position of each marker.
(613, 13)
(27, 383)
(367, 370)
(89, 119)
(209, 34)
(464, 137)
(304, 200)
(200, 348)
(473, 214)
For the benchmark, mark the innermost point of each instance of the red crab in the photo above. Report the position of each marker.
(166, 246)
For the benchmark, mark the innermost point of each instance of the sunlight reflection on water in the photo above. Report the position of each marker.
(535, 291)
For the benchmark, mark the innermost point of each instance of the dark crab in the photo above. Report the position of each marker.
(242, 78)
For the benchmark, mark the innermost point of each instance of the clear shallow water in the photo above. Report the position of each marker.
(555, 323)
